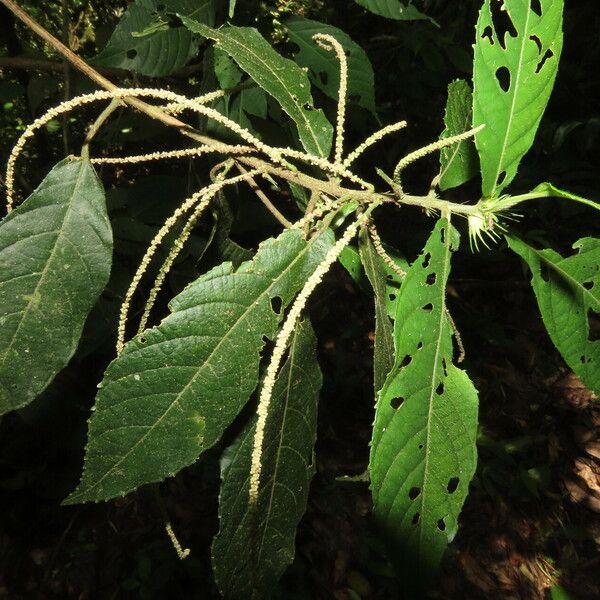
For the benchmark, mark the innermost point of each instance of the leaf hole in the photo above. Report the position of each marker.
(431, 278)
(445, 367)
(421, 446)
(443, 235)
(419, 345)
(503, 24)
(396, 403)
(488, 33)
(453, 485)
(308, 106)
(441, 525)
(547, 56)
(503, 77)
(585, 360)
(131, 54)
(537, 41)
(536, 7)
(426, 260)
(439, 390)
(406, 361)
(276, 304)
(588, 285)
(392, 297)
(544, 272)
(594, 325)
(428, 307)
(416, 518)
(501, 178)
(143, 339)
(414, 493)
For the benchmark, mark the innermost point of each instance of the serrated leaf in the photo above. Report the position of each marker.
(458, 163)
(176, 387)
(394, 9)
(280, 77)
(568, 294)
(383, 351)
(144, 42)
(55, 257)
(547, 190)
(516, 60)
(253, 548)
(423, 452)
(323, 66)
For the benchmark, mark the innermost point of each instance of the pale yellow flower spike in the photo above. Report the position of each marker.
(210, 193)
(280, 346)
(421, 152)
(166, 154)
(387, 259)
(328, 42)
(372, 139)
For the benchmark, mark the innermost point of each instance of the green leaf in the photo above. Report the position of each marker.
(516, 60)
(568, 294)
(253, 548)
(176, 387)
(323, 66)
(551, 191)
(144, 42)
(394, 9)
(280, 77)
(55, 257)
(423, 452)
(383, 352)
(458, 163)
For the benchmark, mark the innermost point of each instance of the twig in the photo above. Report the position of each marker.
(263, 198)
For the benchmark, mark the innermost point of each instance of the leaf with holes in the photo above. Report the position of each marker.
(176, 387)
(394, 9)
(517, 49)
(383, 351)
(568, 294)
(144, 42)
(280, 77)
(55, 257)
(423, 452)
(323, 66)
(458, 163)
(253, 548)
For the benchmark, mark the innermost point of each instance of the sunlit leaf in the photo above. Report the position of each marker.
(423, 451)
(517, 49)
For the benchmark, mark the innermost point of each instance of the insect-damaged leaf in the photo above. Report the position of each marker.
(176, 387)
(278, 76)
(55, 257)
(253, 547)
(458, 163)
(324, 67)
(423, 451)
(517, 49)
(144, 41)
(568, 294)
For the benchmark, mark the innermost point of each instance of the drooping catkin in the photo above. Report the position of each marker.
(328, 42)
(433, 147)
(125, 93)
(179, 243)
(182, 553)
(280, 346)
(378, 245)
